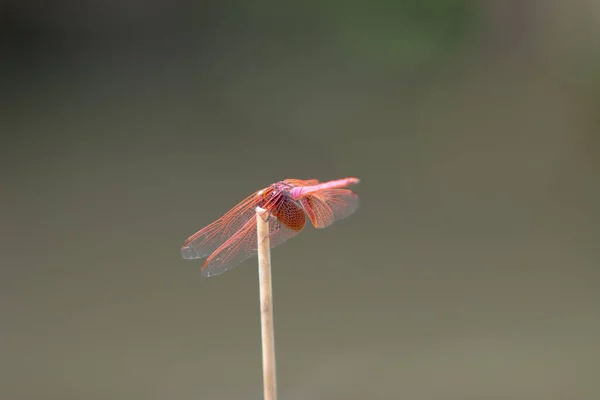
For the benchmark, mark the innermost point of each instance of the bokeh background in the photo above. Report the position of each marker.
(470, 271)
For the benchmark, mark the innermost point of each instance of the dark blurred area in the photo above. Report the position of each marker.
(471, 269)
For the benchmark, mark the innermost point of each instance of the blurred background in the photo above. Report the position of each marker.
(470, 271)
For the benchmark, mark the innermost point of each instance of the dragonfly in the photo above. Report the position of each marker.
(232, 239)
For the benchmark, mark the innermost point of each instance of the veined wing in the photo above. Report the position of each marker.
(324, 207)
(243, 245)
(210, 238)
(301, 182)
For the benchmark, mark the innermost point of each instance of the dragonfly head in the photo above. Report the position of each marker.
(270, 197)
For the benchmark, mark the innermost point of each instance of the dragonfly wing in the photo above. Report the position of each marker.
(207, 240)
(243, 245)
(324, 207)
(301, 182)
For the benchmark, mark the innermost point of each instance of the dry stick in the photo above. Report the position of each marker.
(266, 304)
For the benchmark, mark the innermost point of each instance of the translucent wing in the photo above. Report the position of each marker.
(244, 244)
(232, 238)
(300, 182)
(324, 207)
(207, 240)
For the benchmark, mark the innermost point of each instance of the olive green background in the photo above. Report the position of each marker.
(470, 270)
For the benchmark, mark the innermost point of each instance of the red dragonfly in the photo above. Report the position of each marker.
(232, 238)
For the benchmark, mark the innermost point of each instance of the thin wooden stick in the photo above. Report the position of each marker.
(266, 305)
